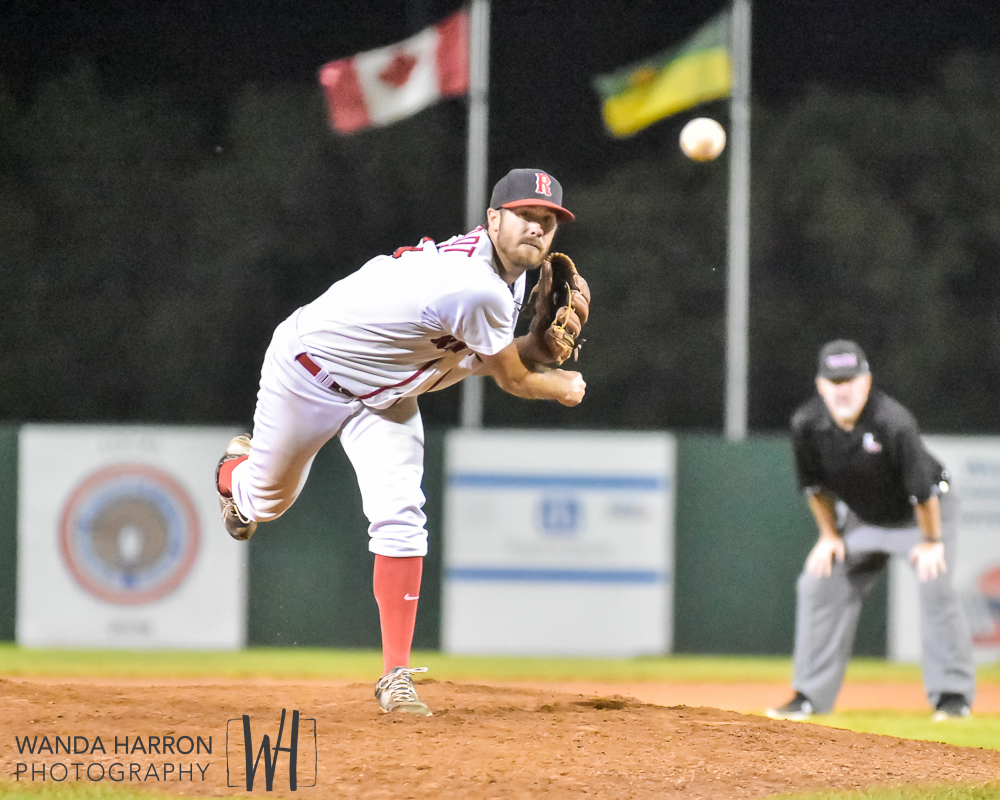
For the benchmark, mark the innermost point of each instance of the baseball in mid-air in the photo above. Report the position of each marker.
(702, 139)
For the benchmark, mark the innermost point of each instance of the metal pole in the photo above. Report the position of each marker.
(476, 167)
(738, 295)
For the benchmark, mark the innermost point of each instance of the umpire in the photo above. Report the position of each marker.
(875, 492)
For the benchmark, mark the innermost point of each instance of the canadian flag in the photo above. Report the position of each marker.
(382, 86)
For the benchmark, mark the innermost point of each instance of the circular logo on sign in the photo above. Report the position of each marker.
(129, 534)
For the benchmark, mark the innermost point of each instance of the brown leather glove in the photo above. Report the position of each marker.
(561, 302)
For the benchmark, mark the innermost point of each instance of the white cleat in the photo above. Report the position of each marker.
(395, 692)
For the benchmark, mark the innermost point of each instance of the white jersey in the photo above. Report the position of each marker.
(412, 322)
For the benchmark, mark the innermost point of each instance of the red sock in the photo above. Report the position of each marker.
(226, 475)
(397, 586)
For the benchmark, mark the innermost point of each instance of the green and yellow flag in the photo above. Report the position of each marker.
(693, 72)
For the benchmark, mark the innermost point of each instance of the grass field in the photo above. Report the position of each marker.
(982, 730)
(317, 663)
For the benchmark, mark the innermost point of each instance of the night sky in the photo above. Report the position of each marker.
(544, 55)
(544, 111)
(212, 46)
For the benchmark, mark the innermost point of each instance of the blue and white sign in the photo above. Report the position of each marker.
(567, 556)
(974, 463)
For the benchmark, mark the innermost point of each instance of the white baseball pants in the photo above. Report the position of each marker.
(296, 416)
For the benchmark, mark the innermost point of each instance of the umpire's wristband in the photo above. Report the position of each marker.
(929, 540)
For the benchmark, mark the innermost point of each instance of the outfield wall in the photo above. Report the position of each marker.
(8, 530)
(741, 534)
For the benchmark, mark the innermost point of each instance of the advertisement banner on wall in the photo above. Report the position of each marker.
(974, 464)
(120, 544)
(558, 543)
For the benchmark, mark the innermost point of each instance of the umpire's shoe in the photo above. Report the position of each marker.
(395, 692)
(797, 709)
(951, 706)
(239, 527)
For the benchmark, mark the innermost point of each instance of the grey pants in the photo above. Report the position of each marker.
(827, 614)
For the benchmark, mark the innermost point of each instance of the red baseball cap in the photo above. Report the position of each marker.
(530, 187)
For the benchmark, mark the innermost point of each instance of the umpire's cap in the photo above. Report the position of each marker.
(529, 187)
(841, 360)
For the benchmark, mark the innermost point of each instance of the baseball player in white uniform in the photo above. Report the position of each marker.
(351, 364)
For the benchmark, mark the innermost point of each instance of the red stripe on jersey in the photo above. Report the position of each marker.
(419, 372)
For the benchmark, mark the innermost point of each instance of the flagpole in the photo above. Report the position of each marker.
(476, 167)
(738, 294)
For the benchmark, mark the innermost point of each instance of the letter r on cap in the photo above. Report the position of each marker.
(543, 184)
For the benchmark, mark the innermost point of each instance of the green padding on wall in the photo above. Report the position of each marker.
(311, 572)
(8, 530)
(743, 531)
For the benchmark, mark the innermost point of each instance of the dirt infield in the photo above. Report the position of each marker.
(508, 741)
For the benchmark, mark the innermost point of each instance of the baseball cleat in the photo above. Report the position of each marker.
(395, 692)
(951, 706)
(239, 527)
(796, 709)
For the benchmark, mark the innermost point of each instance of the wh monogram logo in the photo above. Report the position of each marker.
(543, 184)
(251, 762)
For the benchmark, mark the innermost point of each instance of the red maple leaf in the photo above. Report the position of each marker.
(398, 70)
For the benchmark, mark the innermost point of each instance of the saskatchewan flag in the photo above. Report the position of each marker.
(693, 72)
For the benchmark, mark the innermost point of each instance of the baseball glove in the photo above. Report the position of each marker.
(561, 303)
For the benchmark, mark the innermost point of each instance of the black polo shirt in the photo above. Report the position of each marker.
(879, 469)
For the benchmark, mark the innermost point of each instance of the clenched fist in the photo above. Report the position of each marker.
(575, 387)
